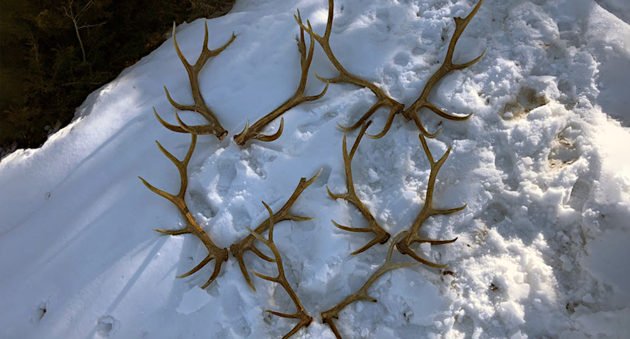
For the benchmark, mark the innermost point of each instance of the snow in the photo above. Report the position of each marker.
(541, 165)
(193, 300)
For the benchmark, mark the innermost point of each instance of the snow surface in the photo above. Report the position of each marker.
(542, 165)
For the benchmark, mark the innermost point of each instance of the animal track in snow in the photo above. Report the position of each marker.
(526, 101)
(402, 58)
(312, 126)
(579, 194)
(227, 173)
(505, 163)
(495, 213)
(240, 216)
(564, 150)
(259, 155)
(324, 176)
(106, 325)
(200, 203)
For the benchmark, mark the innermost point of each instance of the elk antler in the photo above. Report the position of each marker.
(220, 255)
(345, 76)
(380, 235)
(239, 249)
(411, 236)
(329, 316)
(411, 113)
(300, 314)
(199, 106)
(254, 132)
(382, 98)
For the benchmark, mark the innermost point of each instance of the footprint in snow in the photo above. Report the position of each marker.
(312, 126)
(106, 325)
(227, 173)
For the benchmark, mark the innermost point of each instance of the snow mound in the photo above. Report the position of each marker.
(541, 165)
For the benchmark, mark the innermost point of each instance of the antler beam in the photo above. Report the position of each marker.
(254, 132)
(380, 235)
(412, 235)
(300, 314)
(214, 126)
(219, 255)
(239, 249)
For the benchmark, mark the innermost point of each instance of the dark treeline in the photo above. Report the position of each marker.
(53, 53)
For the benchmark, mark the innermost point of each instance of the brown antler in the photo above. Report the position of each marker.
(345, 76)
(411, 236)
(382, 98)
(239, 249)
(220, 255)
(300, 314)
(447, 67)
(199, 106)
(380, 235)
(362, 294)
(254, 132)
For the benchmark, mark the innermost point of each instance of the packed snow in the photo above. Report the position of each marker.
(542, 166)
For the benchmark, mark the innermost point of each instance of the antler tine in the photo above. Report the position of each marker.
(219, 255)
(301, 41)
(183, 128)
(239, 249)
(388, 124)
(181, 56)
(363, 119)
(460, 26)
(447, 67)
(254, 132)
(345, 76)
(166, 124)
(357, 141)
(199, 106)
(380, 235)
(300, 314)
(274, 136)
(362, 294)
(412, 235)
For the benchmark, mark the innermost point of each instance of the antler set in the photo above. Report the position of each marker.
(403, 241)
(238, 249)
(214, 127)
(383, 100)
(380, 234)
(216, 253)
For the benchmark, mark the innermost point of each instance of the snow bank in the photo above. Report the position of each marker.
(541, 165)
